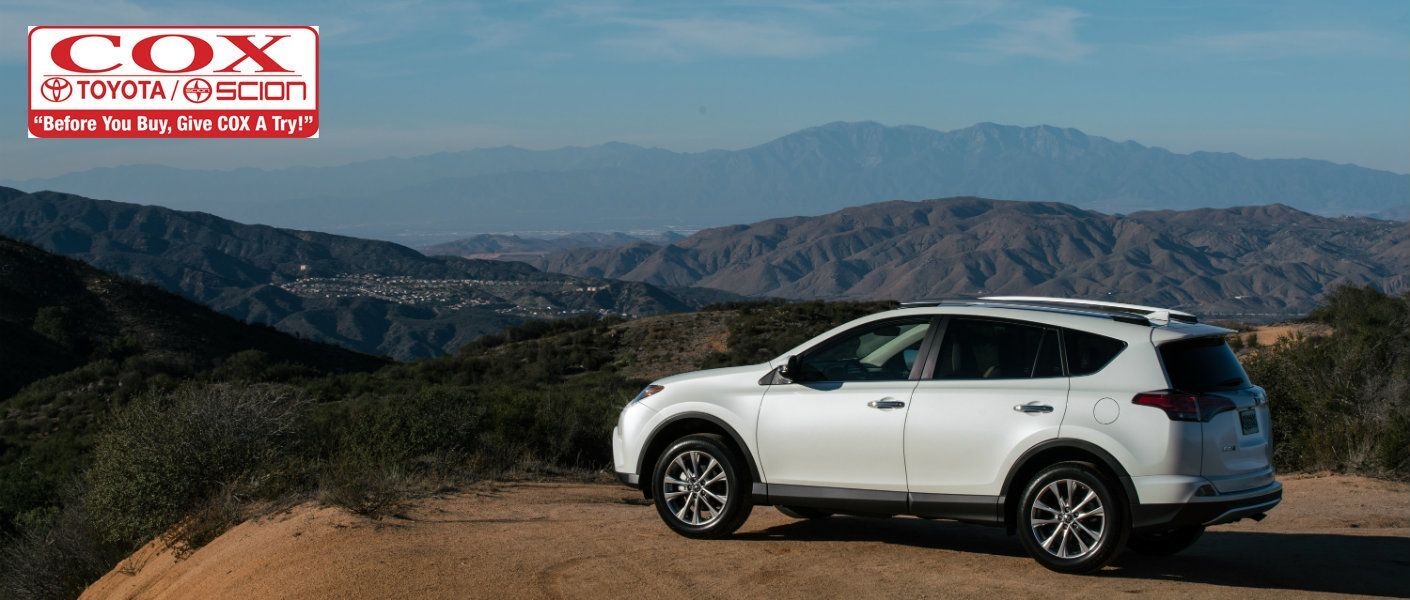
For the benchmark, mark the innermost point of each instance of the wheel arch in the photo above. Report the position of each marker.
(678, 426)
(1055, 451)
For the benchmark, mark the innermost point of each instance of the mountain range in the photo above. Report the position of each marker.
(1253, 262)
(619, 187)
(498, 246)
(374, 297)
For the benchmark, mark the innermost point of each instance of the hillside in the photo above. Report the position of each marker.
(617, 187)
(373, 297)
(537, 402)
(57, 314)
(1247, 262)
(76, 343)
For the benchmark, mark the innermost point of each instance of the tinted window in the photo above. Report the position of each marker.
(1202, 365)
(980, 349)
(1087, 353)
(874, 352)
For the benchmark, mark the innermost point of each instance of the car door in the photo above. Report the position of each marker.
(836, 430)
(996, 387)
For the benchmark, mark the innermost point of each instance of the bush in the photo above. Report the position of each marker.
(378, 448)
(166, 457)
(57, 558)
(1342, 402)
(366, 485)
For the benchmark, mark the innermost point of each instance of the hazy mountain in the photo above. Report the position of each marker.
(621, 187)
(370, 296)
(1249, 261)
(498, 246)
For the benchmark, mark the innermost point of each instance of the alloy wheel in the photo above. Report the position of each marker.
(696, 488)
(1067, 519)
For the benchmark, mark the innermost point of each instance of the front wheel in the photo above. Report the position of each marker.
(1165, 543)
(1071, 520)
(702, 487)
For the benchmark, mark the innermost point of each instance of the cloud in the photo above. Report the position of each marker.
(1295, 43)
(1051, 34)
(703, 37)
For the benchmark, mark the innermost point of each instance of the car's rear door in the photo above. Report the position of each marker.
(997, 387)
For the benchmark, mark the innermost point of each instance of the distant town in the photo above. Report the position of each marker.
(519, 297)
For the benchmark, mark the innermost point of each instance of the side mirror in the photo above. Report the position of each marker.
(788, 372)
(793, 368)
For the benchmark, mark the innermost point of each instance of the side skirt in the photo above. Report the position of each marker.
(986, 510)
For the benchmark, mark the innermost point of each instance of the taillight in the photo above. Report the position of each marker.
(1184, 406)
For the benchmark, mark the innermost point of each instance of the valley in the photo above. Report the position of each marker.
(450, 294)
(369, 296)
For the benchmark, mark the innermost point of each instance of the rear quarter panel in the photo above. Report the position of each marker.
(1143, 439)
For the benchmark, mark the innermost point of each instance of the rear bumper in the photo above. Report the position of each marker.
(1210, 510)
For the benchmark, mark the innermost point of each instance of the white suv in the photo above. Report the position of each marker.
(1083, 426)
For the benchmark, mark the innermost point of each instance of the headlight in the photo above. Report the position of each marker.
(646, 392)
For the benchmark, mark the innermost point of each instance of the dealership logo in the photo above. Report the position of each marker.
(196, 90)
(56, 89)
(173, 81)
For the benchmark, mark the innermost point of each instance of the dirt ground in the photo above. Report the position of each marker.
(1331, 535)
(1269, 335)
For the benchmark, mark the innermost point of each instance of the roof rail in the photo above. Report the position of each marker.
(1159, 316)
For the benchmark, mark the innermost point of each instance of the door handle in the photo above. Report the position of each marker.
(886, 403)
(1033, 407)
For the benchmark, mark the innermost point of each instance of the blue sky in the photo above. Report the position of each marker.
(1265, 79)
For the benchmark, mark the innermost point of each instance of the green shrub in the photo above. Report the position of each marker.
(56, 558)
(1342, 402)
(165, 456)
(368, 485)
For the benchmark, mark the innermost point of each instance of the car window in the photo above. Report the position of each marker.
(874, 352)
(984, 349)
(1088, 353)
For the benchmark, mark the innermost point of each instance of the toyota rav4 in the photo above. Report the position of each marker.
(1085, 427)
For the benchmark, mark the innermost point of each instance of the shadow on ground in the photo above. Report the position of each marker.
(1334, 563)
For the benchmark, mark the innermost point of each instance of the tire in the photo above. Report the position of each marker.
(1165, 543)
(804, 512)
(691, 478)
(1066, 540)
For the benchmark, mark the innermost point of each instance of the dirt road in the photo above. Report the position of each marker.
(1332, 535)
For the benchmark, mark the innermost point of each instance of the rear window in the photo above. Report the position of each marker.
(1088, 353)
(1202, 365)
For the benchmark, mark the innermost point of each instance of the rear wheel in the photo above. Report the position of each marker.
(1165, 543)
(804, 512)
(702, 487)
(1071, 520)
